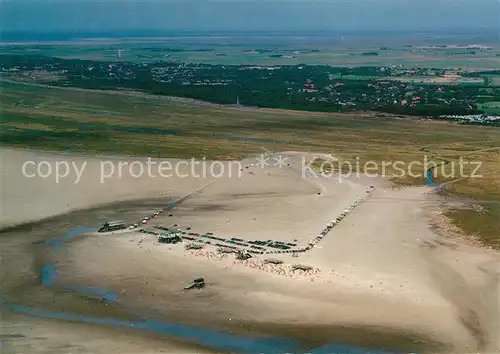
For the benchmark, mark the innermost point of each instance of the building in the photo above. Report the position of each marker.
(304, 268)
(243, 256)
(113, 226)
(273, 261)
(169, 239)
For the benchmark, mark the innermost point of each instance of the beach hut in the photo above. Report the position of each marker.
(302, 267)
(169, 239)
(273, 261)
(243, 255)
(223, 249)
(194, 246)
(113, 226)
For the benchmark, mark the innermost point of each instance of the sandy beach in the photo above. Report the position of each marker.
(382, 268)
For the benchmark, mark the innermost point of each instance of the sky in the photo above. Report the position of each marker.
(248, 15)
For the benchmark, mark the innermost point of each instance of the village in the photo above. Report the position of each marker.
(397, 89)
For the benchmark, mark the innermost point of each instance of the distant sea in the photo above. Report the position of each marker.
(32, 36)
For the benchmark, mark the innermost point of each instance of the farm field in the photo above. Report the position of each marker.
(491, 107)
(99, 122)
(325, 206)
(493, 80)
(263, 51)
(439, 80)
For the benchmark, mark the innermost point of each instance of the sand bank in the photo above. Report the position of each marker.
(382, 267)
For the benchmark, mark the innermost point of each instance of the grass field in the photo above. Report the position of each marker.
(494, 80)
(439, 80)
(136, 124)
(429, 80)
(491, 107)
